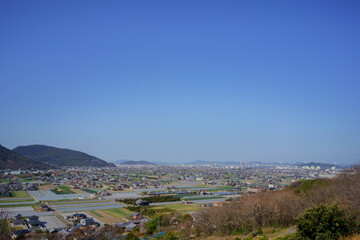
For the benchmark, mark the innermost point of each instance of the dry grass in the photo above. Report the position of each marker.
(355, 237)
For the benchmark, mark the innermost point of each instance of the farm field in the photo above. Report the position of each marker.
(54, 203)
(47, 195)
(67, 206)
(22, 204)
(78, 191)
(118, 212)
(202, 198)
(184, 195)
(190, 187)
(186, 183)
(26, 211)
(183, 208)
(19, 194)
(108, 218)
(9, 200)
(221, 188)
(89, 190)
(63, 190)
(76, 204)
(46, 187)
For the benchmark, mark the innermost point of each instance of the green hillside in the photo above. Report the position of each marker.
(12, 160)
(60, 156)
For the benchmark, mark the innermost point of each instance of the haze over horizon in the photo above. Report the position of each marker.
(180, 81)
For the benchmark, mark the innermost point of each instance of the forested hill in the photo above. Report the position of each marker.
(60, 156)
(11, 160)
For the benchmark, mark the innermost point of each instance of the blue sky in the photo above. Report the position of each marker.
(183, 80)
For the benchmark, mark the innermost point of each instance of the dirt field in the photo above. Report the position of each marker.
(104, 217)
(79, 191)
(47, 187)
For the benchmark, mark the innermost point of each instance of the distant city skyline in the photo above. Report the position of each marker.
(181, 81)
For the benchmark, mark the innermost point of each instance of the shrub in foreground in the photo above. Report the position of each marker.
(326, 223)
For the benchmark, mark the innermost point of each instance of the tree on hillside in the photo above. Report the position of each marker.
(326, 223)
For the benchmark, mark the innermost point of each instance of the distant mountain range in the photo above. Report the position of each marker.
(60, 156)
(12, 160)
(124, 162)
(228, 163)
(121, 161)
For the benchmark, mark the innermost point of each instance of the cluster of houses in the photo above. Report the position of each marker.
(32, 224)
(99, 180)
(4, 192)
(81, 219)
(135, 220)
(27, 225)
(16, 185)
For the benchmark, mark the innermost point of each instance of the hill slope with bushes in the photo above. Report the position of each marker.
(284, 208)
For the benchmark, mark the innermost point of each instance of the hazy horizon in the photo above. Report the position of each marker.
(180, 81)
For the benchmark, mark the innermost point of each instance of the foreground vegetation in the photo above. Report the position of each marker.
(335, 199)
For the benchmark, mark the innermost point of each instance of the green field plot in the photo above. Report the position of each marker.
(79, 202)
(195, 186)
(20, 205)
(96, 213)
(62, 191)
(184, 195)
(64, 187)
(118, 212)
(8, 200)
(19, 194)
(89, 190)
(202, 198)
(183, 208)
(222, 188)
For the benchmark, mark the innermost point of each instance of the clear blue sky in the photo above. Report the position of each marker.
(183, 80)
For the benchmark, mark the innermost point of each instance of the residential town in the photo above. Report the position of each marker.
(62, 201)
